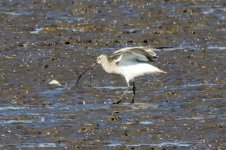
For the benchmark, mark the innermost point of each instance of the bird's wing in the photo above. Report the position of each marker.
(141, 54)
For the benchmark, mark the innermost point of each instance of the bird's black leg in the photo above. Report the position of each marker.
(122, 96)
(134, 92)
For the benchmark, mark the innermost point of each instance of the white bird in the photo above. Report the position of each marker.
(130, 62)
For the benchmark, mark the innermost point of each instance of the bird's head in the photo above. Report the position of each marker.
(101, 59)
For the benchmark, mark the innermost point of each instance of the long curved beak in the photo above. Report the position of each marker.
(79, 77)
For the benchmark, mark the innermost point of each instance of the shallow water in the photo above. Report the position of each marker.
(44, 41)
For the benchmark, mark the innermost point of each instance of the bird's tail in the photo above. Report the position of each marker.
(161, 71)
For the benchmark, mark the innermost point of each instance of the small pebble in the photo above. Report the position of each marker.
(54, 82)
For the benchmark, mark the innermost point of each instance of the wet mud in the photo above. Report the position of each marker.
(45, 45)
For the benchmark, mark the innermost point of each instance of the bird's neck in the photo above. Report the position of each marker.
(106, 64)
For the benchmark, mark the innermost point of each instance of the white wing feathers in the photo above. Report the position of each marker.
(134, 54)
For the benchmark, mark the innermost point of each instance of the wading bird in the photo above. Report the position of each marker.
(130, 62)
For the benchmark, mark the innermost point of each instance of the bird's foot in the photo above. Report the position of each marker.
(117, 101)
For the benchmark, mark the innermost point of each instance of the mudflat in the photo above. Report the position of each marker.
(45, 45)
